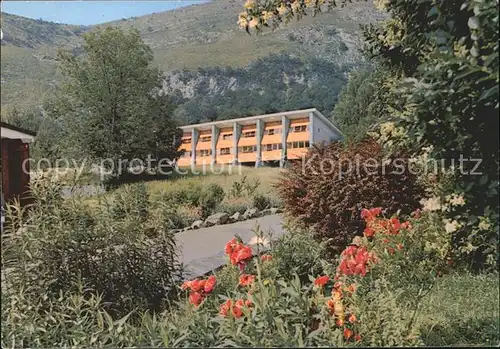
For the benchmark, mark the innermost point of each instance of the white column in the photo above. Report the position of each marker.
(215, 138)
(258, 135)
(285, 126)
(194, 142)
(311, 129)
(236, 139)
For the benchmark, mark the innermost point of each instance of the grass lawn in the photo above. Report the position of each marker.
(462, 310)
(267, 176)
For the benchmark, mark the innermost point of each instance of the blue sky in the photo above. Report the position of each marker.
(88, 12)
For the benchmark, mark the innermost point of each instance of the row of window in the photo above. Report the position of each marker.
(249, 149)
(250, 134)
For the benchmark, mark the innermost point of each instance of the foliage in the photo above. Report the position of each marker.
(442, 64)
(124, 256)
(130, 200)
(211, 196)
(118, 115)
(264, 303)
(450, 103)
(329, 190)
(357, 110)
(261, 202)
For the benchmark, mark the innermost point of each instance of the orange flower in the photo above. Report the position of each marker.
(237, 312)
(340, 322)
(230, 246)
(186, 285)
(352, 318)
(197, 285)
(369, 232)
(352, 288)
(209, 284)
(369, 215)
(347, 333)
(337, 295)
(195, 298)
(246, 279)
(266, 257)
(225, 307)
(321, 280)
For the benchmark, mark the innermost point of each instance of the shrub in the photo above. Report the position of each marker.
(328, 193)
(68, 241)
(211, 196)
(130, 200)
(232, 205)
(261, 202)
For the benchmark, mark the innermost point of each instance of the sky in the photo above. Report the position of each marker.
(89, 12)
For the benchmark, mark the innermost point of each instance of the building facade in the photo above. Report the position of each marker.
(256, 139)
(15, 170)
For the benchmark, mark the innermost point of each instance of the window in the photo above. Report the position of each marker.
(249, 134)
(248, 149)
(272, 131)
(227, 137)
(301, 128)
(271, 147)
(204, 152)
(225, 151)
(186, 141)
(205, 138)
(307, 144)
(186, 154)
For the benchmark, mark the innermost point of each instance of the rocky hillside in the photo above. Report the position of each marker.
(199, 47)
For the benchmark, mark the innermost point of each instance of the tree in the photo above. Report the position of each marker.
(442, 94)
(112, 98)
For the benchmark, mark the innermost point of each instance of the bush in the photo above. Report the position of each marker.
(231, 205)
(130, 200)
(211, 196)
(328, 194)
(54, 246)
(261, 202)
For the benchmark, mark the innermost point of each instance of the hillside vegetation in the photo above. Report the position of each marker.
(186, 39)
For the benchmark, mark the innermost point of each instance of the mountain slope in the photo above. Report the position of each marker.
(185, 39)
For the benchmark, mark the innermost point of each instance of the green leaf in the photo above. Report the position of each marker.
(473, 22)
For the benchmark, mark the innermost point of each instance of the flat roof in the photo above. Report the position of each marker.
(18, 129)
(249, 120)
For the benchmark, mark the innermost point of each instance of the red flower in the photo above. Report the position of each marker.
(209, 284)
(186, 285)
(406, 225)
(230, 246)
(391, 250)
(225, 307)
(266, 257)
(400, 246)
(357, 338)
(352, 318)
(394, 226)
(369, 215)
(244, 253)
(197, 285)
(236, 311)
(385, 241)
(195, 298)
(246, 279)
(347, 333)
(340, 322)
(369, 232)
(321, 280)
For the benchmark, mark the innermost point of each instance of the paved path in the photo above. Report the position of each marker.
(203, 249)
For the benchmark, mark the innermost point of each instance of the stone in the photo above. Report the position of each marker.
(216, 219)
(197, 224)
(187, 228)
(276, 210)
(265, 212)
(251, 213)
(236, 217)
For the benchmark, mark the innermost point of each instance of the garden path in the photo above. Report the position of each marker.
(202, 250)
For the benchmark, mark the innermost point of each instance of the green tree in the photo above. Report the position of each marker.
(441, 92)
(112, 99)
